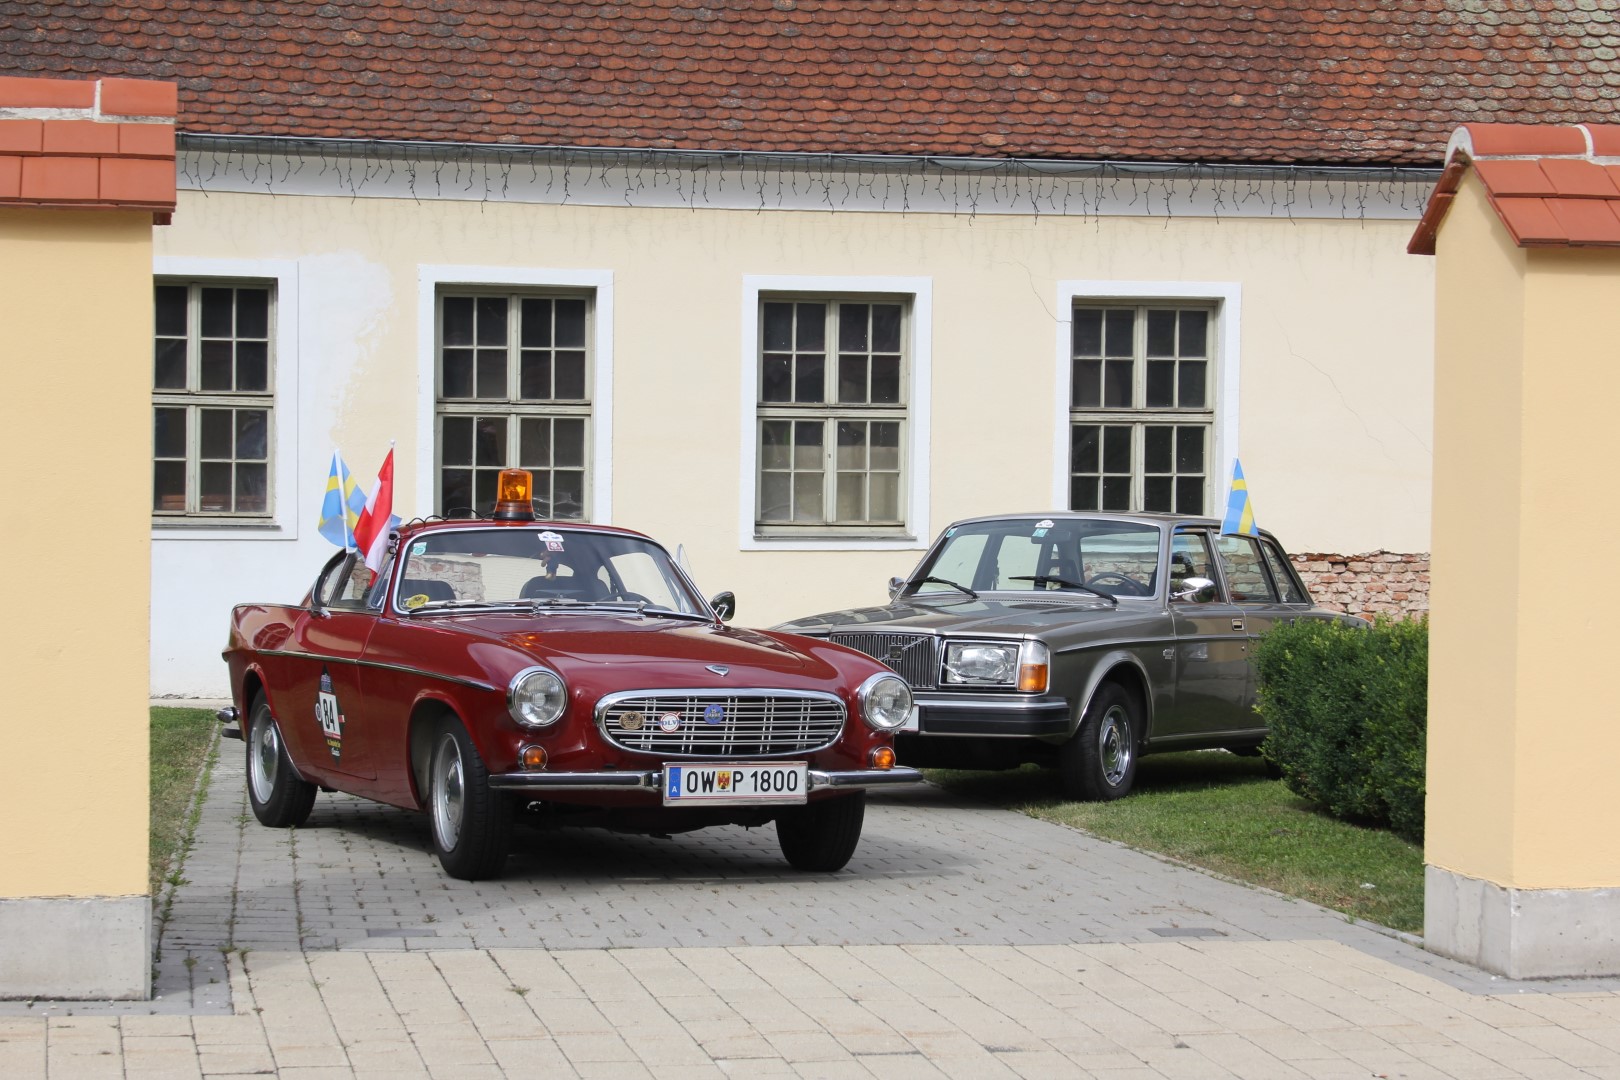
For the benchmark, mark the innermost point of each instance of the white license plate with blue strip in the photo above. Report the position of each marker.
(739, 784)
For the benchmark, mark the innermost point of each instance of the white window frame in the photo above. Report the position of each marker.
(282, 278)
(1227, 300)
(434, 280)
(918, 293)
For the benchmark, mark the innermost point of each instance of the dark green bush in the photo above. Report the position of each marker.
(1348, 708)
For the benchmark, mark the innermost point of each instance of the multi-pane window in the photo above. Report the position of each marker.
(1141, 411)
(211, 400)
(514, 390)
(832, 414)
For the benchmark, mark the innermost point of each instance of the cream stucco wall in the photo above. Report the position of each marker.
(77, 312)
(1522, 734)
(1332, 375)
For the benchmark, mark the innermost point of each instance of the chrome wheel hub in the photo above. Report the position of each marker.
(449, 792)
(1114, 745)
(264, 759)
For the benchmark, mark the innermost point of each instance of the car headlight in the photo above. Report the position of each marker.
(885, 701)
(536, 697)
(1024, 664)
(981, 664)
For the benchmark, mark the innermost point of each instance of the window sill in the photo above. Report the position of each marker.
(833, 541)
(220, 529)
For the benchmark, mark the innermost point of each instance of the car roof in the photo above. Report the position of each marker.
(430, 525)
(1143, 517)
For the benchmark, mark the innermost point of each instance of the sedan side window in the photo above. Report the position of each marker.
(1287, 582)
(1246, 576)
(1190, 558)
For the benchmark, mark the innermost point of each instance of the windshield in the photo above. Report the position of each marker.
(547, 566)
(1044, 555)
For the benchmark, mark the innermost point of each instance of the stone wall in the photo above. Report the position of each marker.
(1377, 583)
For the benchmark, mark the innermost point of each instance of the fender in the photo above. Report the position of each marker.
(1101, 669)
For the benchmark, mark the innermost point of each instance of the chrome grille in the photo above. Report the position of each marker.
(914, 657)
(751, 724)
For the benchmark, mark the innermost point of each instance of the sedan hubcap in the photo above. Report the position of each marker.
(266, 758)
(449, 793)
(1114, 745)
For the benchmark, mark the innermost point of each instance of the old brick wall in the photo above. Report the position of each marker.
(1377, 583)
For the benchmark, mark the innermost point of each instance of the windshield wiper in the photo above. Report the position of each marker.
(1047, 579)
(462, 605)
(947, 581)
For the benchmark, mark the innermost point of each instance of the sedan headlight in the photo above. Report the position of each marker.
(885, 701)
(536, 697)
(981, 664)
(1024, 664)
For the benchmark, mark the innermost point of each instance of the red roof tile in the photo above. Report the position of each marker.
(1557, 196)
(1370, 82)
(62, 150)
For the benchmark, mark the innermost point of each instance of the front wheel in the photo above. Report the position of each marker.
(472, 822)
(821, 836)
(279, 798)
(1099, 763)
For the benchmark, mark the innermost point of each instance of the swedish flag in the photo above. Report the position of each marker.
(1239, 510)
(341, 507)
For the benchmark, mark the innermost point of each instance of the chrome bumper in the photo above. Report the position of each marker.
(653, 780)
(231, 719)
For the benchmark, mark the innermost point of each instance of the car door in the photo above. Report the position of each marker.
(327, 726)
(1211, 650)
(1250, 585)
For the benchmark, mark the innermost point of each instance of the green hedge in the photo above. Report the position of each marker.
(1347, 708)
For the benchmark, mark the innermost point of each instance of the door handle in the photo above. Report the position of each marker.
(1237, 624)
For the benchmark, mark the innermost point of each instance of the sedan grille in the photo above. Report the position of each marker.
(914, 657)
(721, 724)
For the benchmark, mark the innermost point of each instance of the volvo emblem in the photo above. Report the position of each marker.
(719, 669)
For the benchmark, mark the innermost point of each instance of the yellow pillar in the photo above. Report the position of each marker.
(1523, 836)
(85, 167)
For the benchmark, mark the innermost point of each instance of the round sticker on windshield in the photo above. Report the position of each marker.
(416, 601)
(419, 548)
(1047, 524)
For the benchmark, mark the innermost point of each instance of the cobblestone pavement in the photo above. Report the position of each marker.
(961, 941)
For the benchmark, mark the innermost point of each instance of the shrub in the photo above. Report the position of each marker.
(1348, 708)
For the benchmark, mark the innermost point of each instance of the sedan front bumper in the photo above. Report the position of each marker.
(653, 780)
(962, 714)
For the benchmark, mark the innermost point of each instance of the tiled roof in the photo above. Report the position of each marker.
(1551, 186)
(106, 144)
(1367, 82)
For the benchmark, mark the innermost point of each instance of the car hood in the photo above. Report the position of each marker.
(674, 649)
(963, 616)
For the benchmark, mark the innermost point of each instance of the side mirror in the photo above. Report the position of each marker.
(724, 604)
(895, 585)
(1196, 590)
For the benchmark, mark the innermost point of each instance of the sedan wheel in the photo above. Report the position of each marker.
(1099, 762)
(471, 822)
(278, 797)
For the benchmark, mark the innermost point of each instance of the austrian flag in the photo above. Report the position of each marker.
(377, 520)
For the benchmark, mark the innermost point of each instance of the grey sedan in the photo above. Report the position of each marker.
(1078, 640)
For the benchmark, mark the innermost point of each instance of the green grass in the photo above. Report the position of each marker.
(180, 741)
(1220, 812)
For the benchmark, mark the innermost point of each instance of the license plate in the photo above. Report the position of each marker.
(739, 785)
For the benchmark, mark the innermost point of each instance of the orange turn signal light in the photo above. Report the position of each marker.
(1032, 678)
(883, 757)
(534, 758)
(514, 496)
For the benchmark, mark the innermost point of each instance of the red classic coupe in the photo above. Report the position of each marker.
(567, 673)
